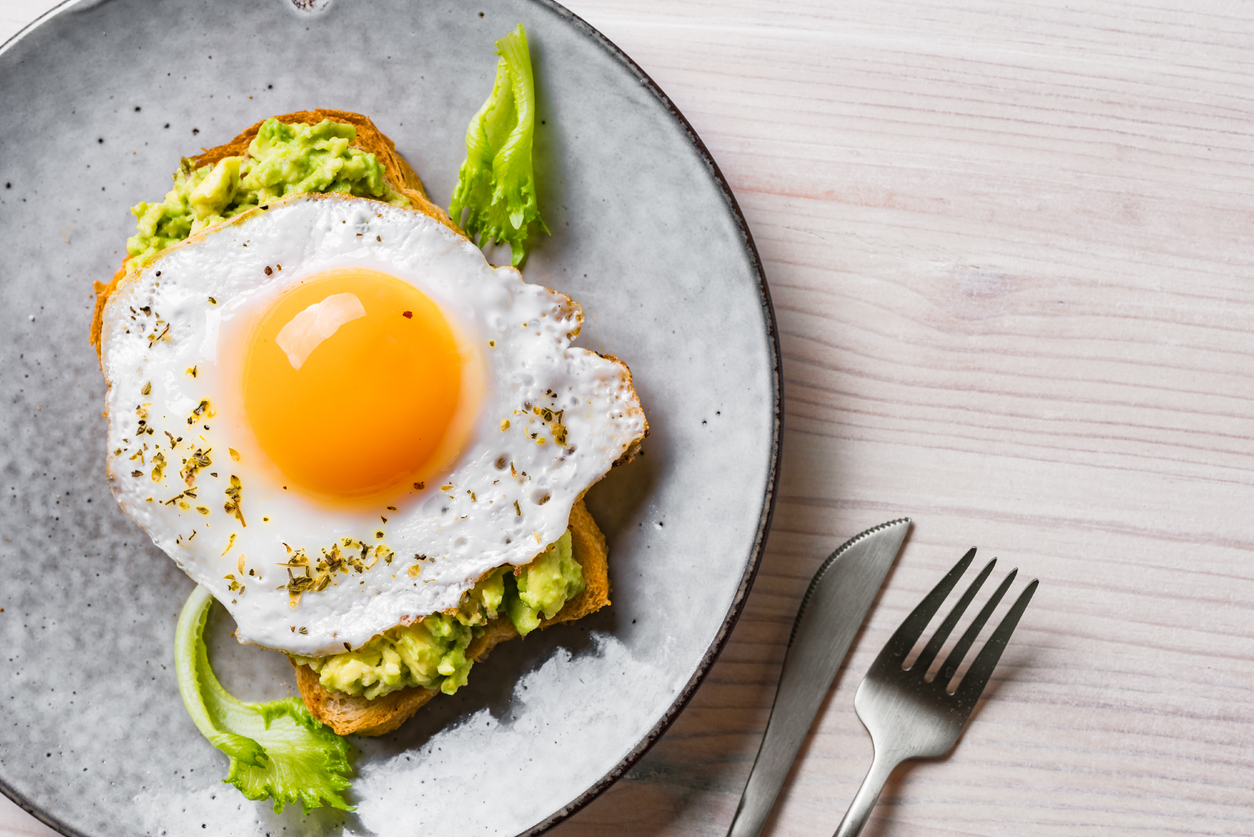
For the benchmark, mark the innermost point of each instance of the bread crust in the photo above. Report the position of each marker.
(399, 175)
(348, 714)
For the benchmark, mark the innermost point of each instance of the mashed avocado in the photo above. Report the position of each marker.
(431, 653)
(282, 160)
(543, 586)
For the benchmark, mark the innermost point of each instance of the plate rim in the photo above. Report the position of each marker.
(723, 634)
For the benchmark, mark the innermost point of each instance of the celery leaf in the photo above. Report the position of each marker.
(277, 750)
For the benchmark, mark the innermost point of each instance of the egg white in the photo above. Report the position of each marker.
(510, 496)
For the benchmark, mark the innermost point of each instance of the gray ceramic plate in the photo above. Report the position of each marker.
(98, 101)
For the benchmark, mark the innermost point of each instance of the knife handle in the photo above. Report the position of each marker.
(784, 735)
(807, 675)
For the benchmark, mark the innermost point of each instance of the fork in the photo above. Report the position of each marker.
(909, 716)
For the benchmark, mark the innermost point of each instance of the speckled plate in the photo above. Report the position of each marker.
(98, 100)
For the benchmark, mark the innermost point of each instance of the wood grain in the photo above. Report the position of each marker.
(1011, 248)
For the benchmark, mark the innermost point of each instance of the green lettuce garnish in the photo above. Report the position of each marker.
(277, 750)
(496, 185)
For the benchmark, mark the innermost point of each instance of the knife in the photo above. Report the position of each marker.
(831, 611)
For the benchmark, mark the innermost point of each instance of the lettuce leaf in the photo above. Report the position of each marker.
(496, 185)
(277, 750)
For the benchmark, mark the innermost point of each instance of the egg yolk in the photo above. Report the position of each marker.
(352, 381)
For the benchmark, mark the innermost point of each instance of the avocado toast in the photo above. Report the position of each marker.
(370, 689)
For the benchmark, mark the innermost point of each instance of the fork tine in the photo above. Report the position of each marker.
(934, 644)
(976, 678)
(950, 666)
(904, 638)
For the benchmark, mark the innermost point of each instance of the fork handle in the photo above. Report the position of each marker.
(864, 802)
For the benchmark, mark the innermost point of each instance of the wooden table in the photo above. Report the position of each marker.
(1011, 248)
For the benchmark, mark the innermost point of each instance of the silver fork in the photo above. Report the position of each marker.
(910, 717)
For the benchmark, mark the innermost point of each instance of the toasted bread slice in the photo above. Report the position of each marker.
(347, 714)
(398, 174)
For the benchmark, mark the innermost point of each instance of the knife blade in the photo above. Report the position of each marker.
(833, 608)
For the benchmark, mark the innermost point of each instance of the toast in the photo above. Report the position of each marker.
(348, 714)
(345, 713)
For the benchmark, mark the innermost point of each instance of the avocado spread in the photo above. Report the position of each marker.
(543, 586)
(281, 160)
(431, 652)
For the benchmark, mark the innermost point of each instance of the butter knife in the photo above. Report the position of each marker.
(831, 612)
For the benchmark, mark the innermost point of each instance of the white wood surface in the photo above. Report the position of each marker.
(1011, 247)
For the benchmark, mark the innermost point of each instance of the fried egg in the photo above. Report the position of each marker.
(337, 416)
